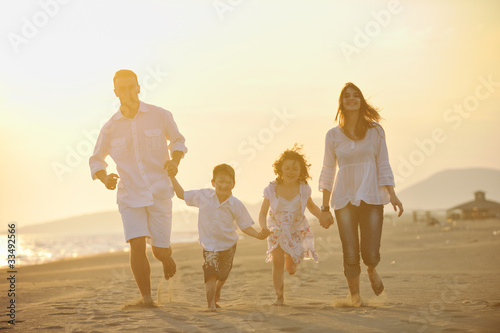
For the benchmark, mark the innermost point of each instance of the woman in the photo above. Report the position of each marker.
(364, 184)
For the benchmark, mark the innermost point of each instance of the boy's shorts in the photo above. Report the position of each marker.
(154, 222)
(219, 263)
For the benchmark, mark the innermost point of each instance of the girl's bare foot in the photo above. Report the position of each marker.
(376, 281)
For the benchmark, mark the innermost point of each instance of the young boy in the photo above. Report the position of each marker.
(219, 216)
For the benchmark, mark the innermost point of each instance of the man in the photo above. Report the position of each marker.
(136, 139)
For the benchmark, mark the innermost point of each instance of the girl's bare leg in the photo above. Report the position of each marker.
(291, 266)
(278, 274)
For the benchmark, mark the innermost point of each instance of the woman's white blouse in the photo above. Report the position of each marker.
(363, 168)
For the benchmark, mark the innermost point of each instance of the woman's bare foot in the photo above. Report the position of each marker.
(376, 281)
(354, 300)
(217, 306)
(290, 265)
(211, 310)
(279, 301)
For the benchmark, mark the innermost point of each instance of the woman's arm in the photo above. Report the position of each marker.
(326, 217)
(396, 203)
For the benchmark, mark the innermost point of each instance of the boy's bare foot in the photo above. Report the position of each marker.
(279, 301)
(376, 281)
(169, 268)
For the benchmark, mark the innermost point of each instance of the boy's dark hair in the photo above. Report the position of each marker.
(124, 73)
(224, 168)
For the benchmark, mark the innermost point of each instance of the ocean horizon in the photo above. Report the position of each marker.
(34, 249)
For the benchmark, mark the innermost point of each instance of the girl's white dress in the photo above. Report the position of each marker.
(288, 225)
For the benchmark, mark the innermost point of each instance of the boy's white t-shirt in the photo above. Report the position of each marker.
(218, 222)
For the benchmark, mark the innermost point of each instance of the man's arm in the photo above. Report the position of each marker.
(172, 165)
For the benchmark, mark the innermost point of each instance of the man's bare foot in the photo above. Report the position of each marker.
(169, 268)
(354, 300)
(376, 281)
(279, 301)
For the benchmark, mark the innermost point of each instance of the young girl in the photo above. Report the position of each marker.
(291, 238)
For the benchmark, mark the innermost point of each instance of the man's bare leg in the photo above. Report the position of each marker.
(278, 275)
(210, 286)
(141, 269)
(291, 266)
(375, 280)
(354, 296)
(164, 254)
(217, 292)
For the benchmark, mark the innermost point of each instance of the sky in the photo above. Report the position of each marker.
(245, 80)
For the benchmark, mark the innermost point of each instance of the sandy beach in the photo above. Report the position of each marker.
(437, 279)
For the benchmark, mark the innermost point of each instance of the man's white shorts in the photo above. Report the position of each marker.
(154, 222)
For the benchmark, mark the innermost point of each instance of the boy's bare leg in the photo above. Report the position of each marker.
(164, 254)
(217, 292)
(354, 295)
(375, 280)
(278, 274)
(141, 270)
(210, 286)
(291, 266)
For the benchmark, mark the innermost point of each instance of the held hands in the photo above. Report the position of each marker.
(172, 167)
(326, 219)
(110, 181)
(263, 233)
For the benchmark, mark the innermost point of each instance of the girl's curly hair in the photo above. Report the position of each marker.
(294, 154)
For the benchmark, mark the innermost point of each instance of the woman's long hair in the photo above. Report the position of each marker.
(368, 115)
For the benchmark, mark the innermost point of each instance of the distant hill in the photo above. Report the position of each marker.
(450, 188)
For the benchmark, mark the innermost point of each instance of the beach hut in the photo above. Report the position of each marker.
(480, 208)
